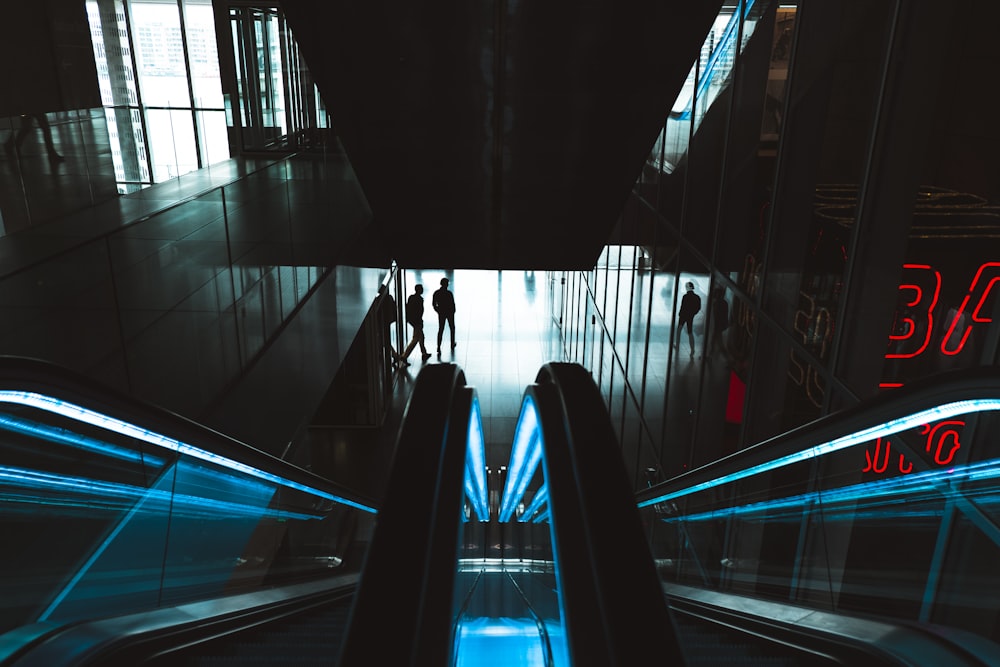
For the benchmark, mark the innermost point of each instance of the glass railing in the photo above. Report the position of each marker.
(889, 509)
(111, 507)
(223, 271)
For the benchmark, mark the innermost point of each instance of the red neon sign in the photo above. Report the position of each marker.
(978, 293)
(914, 326)
(942, 441)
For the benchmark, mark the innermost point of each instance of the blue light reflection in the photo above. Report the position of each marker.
(507, 641)
(525, 456)
(915, 495)
(859, 437)
(86, 416)
(475, 464)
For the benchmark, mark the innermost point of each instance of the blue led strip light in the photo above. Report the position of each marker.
(525, 456)
(859, 437)
(93, 495)
(475, 464)
(541, 499)
(902, 495)
(80, 414)
(64, 437)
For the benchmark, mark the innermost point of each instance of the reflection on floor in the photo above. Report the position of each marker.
(504, 332)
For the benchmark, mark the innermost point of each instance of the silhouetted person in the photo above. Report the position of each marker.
(27, 123)
(387, 315)
(415, 318)
(690, 306)
(443, 302)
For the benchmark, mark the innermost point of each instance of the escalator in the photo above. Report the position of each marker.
(255, 562)
(130, 529)
(867, 531)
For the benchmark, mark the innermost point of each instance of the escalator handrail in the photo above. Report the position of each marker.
(946, 388)
(609, 584)
(34, 375)
(402, 613)
(138, 637)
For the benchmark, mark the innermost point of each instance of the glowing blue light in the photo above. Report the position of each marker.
(475, 464)
(541, 498)
(30, 487)
(64, 437)
(86, 416)
(859, 437)
(902, 494)
(508, 641)
(525, 455)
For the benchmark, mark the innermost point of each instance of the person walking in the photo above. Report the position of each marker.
(690, 305)
(415, 318)
(443, 302)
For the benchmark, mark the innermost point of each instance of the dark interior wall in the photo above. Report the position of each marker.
(48, 57)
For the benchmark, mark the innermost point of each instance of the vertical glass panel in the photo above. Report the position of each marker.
(620, 300)
(758, 101)
(172, 147)
(658, 350)
(826, 139)
(213, 137)
(173, 280)
(276, 106)
(947, 311)
(199, 21)
(720, 410)
(641, 302)
(795, 387)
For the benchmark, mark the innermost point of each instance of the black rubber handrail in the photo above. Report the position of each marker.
(614, 611)
(402, 613)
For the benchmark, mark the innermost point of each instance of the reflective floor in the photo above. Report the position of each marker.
(504, 332)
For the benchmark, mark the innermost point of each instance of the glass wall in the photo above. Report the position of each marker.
(221, 273)
(833, 215)
(158, 68)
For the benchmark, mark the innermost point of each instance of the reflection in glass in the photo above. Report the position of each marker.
(144, 519)
(909, 540)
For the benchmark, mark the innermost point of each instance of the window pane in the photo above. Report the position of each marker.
(200, 24)
(159, 54)
(171, 138)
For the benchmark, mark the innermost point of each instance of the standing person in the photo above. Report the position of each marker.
(415, 318)
(690, 306)
(387, 315)
(443, 302)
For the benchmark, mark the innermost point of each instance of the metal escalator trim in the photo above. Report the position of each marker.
(842, 637)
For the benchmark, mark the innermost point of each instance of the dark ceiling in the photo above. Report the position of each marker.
(503, 134)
